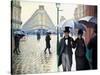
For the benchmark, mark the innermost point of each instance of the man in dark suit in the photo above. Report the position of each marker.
(17, 38)
(65, 56)
(48, 46)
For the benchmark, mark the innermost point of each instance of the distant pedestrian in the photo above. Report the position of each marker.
(48, 46)
(17, 38)
(80, 53)
(38, 36)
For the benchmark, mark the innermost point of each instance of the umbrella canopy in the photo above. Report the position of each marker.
(19, 32)
(79, 26)
(66, 23)
(93, 20)
(83, 22)
(88, 20)
(88, 24)
(51, 30)
(72, 24)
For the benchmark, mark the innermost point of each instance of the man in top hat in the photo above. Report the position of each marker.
(65, 56)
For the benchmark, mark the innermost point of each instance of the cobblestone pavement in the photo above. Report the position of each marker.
(32, 58)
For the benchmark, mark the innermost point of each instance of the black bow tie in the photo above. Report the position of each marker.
(66, 38)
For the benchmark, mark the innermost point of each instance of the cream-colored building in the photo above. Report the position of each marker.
(15, 18)
(15, 14)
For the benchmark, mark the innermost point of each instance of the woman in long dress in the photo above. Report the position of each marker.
(80, 53)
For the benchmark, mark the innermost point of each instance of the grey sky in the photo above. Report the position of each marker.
(29, 7)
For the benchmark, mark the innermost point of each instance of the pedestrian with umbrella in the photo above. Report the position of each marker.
(91, 41)
(47, 39)
(17, 36)
(73, 24)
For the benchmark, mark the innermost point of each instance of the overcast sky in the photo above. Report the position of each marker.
(29, 7)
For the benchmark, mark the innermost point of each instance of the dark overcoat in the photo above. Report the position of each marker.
(62, 48)
(47, 39)
(17, 38)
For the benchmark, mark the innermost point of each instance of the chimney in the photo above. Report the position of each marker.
(41, 7)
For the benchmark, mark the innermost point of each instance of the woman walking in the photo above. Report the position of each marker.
(80, 53)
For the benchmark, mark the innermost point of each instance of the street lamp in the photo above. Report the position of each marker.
(57, 6)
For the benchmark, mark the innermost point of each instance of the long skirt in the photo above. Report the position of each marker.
(82, 63)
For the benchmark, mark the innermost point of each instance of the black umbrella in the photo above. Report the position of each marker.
(83, 22)
(86, 23)
(93, 20)
(79, 25)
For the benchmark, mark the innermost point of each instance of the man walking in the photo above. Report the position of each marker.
(65, 57)
(47, 39)
(17, 38)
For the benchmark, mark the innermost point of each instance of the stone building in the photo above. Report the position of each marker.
(15, 14)
(15, 19)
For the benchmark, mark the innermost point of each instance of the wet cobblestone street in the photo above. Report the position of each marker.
(32, 58)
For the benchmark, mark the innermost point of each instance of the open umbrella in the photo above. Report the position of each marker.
(88, 24)
(89, 21)
(72, 24)
(79, 26)
(66, 23)
(83, 22)
(51, 31)
(19, 32)
(92, 19)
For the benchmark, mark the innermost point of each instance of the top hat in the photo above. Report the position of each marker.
(80, 31)
(67, 29)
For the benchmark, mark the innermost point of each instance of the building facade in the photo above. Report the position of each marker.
(85, 10)
(15, 19)
(82, 11)
(39, 20)
(15, 14)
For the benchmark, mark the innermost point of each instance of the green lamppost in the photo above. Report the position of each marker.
(57, 6)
